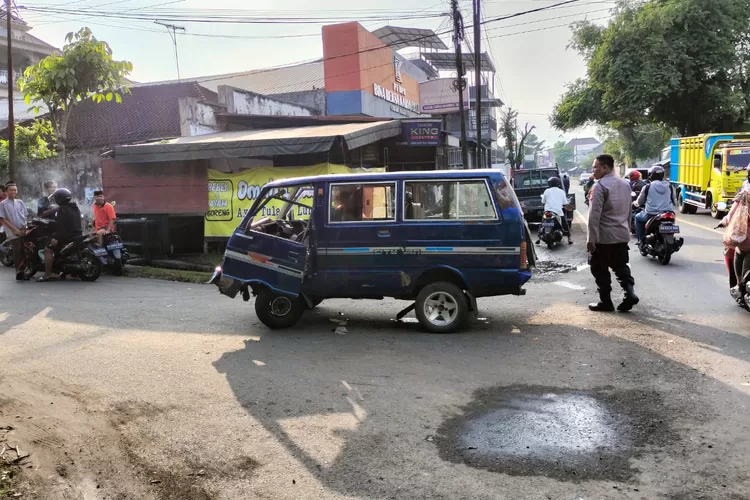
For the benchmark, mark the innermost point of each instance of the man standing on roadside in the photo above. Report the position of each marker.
(609, 235)
(13, 218)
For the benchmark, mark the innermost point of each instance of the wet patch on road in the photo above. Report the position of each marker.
(545, 268)
(564, 434)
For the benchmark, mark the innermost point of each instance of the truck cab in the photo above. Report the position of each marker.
(708, 170)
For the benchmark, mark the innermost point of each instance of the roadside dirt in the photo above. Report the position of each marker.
(79, 448)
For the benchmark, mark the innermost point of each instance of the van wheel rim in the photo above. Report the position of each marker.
(440, 309)
(280, 306)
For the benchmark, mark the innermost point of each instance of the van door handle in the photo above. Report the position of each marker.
(384, 234)
(294, 254)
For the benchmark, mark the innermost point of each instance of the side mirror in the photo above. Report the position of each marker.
(721, 206)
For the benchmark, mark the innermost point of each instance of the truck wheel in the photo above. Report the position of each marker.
(685, 208)
(441, 307)
(278, 311)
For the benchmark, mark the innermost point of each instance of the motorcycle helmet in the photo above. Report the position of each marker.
(634, 175)
(62, 196)
(656, 173)
(554, 182)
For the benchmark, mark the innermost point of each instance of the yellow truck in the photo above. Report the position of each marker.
(708, 170)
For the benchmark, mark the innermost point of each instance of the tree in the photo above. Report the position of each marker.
(564, 155)
(631, 144)
(678, 64)
(533, 145)
(84, 70)
(515, 139)
(35, 142)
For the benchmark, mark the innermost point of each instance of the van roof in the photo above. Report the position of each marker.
(391, 176)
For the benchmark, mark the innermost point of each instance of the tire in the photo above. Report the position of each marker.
(665, 258)
(94, 266)
(278, 311)
(118, 268)
(434, 298)
(685, 208)
(7, 260)
(550, 244)
(716, 213)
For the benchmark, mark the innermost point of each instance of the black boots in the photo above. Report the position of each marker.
(605, 302)
(604, 305)
(629, 300)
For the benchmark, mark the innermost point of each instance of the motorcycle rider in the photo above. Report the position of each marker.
(555, 200)
(657, 198)
(67, 227)
(636, 182)
(44, 206)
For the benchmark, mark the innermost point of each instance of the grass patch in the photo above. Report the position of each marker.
(7, 475)
(212, 259)
(166, 274)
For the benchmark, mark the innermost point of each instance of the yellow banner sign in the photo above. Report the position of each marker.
(231, 195)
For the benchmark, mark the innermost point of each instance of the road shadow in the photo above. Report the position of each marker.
(359, 411)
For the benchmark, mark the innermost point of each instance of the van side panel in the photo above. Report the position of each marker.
(388, 258)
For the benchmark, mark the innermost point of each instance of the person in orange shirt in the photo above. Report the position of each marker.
(104, 216)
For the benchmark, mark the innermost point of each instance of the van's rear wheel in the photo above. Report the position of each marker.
(278, 311)
(442, 307)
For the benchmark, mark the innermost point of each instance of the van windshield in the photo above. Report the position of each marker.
(738, 159)
(282, 212)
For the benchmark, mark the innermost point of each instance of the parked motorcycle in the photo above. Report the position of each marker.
(82, 257)
(661, 240)
(6, 253)
(117, 253)
(550, 230)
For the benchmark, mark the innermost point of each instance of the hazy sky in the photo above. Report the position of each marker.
(529, 52)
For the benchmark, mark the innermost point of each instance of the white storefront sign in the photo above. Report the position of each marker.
(439, 96)
(396, 96)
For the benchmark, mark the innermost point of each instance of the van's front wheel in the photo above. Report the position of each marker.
(442, 307)
(278, 311)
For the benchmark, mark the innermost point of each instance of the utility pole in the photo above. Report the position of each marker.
(11, 117)
(460, 84)
(172, 30)
(478, 75)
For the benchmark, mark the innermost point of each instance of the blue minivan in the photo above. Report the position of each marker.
(439, 239)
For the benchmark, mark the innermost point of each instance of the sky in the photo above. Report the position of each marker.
(530, 52)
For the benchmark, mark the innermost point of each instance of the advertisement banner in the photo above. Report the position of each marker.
(440, 97)
(231, 195)
(421, 133)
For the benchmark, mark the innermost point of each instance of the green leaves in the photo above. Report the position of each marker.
(84, 69)
(672, 63)
(34, 142)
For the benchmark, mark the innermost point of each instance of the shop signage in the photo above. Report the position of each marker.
(440, 97)
(421, 133)
(230, 195)
(396, 96)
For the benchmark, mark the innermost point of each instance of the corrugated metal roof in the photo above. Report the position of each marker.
(259, 143)
(297, 78)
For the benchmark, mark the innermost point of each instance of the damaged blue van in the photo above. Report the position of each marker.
(439, 239)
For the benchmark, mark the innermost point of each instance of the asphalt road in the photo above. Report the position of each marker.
(129, 388)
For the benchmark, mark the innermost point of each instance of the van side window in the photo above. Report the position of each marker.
(435, 200)
(362, 202)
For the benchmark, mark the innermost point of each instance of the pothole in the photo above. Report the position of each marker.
(565, 434)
